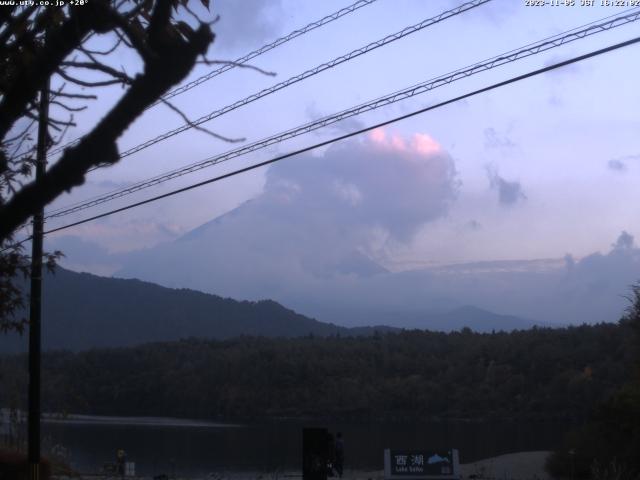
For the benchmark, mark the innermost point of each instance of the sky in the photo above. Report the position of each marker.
(535, 170)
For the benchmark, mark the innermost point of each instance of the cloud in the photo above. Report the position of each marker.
(596, 284)
(571, 69)
(555, 100)
(121, 235)
(474, 225)
(319, 221)
(246, 24)
(569, 262)
(384, 181)
(619, 164)
(351, 124)
(623, 243)
(84, 256)
(509, 192)
(563, 290)
(493, 140)
(109, 184)
(497, 14)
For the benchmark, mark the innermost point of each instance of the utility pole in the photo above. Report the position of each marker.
(35, 306)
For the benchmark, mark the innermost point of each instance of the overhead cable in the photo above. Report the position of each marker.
(358, 132)
(249, 56)
(308, 73)
(270, 46)
(508, 57)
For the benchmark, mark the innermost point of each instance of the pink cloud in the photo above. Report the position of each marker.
(420, 143)
(397, 143)
(378, 136)
(424, 144)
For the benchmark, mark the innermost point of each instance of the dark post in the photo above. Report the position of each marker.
(315, 453)
(572, 454)
(36, 294)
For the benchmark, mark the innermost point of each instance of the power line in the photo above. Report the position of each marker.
(276, 43)
(508, 57)
(308, 73)
(342, 137)
(358, 132)
(249, 56)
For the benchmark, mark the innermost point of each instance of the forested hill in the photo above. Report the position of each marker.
(539, 373)
(82, 311)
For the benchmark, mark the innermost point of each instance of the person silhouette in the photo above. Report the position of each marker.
(121, 459)
(339, 454)
(331, 455)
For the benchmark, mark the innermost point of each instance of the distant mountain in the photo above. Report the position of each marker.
(82, 311)
(243, 254)
(247, 254)
(445, 319)
(274, 248)
(479, 320)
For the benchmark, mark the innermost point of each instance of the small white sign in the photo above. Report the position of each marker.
(130, 469)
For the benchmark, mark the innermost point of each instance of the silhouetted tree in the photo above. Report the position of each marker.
(412, 374)
(40, 43)
(608, 444)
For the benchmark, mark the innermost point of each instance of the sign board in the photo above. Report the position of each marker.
(130, 469)
(418, 464)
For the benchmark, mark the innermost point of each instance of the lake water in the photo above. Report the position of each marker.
(198, 448)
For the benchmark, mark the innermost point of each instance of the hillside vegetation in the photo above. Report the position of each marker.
(82, 311)
(537, 373)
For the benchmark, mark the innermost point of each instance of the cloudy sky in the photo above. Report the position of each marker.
(535, 170)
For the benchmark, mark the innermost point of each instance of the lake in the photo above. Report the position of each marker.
(195, 448)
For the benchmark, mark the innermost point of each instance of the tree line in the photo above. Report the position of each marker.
(537, 373)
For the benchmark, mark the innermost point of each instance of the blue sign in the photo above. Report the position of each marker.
(421, 464)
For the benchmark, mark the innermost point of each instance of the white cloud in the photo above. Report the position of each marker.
(509, 192)
(318, 218)
(384, 181)
(493, 139)
(620, 164)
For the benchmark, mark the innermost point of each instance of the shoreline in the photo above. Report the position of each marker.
(103, 419)
(513, 466)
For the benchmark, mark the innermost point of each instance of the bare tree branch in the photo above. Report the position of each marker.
(103, 52)
(170, 59)
(16, 137)
(198, 127)
(53, 122)
(135, 38)
(84, 83)
(60, 137)
(123, 77)
(12, 23)
(237, 64)
(169, 50)
(67, 107)
(61, 41)
(76, 95)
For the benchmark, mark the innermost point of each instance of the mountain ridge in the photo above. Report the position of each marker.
(83, 311)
